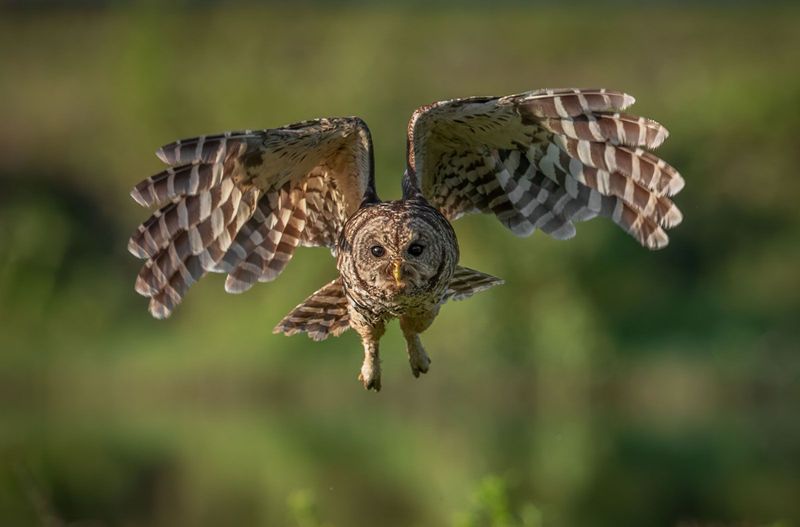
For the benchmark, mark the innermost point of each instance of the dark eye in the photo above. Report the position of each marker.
(377, 251)
(415, 249)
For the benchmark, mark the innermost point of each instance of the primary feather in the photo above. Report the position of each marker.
(544, 160)
(239, 203)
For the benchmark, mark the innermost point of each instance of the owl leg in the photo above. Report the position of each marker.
(370, 375)
(412, 326)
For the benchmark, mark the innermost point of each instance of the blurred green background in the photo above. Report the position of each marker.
(604, 385)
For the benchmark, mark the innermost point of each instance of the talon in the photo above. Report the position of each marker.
(420, 364)
(373, 383)
(370, 377)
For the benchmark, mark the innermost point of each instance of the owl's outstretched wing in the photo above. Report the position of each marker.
(545, 159)
(241, 202)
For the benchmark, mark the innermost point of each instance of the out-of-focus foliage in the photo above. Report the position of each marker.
(609, 385)
(492, 507)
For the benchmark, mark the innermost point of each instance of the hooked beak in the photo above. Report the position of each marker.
(397, 273)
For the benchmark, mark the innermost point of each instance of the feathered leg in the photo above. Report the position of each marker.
(370, 334)
(412, 325)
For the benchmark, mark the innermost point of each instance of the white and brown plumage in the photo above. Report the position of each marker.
(241, 202)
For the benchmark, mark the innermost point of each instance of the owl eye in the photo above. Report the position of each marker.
(415, 249)
(377, 251)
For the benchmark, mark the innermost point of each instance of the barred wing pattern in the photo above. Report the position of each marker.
(545, 159)
(321, 315)
(241, 202)
(466, 282)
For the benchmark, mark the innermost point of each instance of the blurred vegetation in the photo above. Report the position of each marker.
(492, 507)
(606, 384)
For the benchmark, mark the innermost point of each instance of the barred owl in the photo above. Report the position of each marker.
(241, 202)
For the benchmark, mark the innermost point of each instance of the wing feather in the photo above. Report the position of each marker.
(544, 160)
(241, 202)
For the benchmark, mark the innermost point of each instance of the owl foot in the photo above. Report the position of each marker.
(419, 361)
(417, 358)
(370, 376)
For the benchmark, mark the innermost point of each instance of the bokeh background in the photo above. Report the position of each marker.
(604, 385)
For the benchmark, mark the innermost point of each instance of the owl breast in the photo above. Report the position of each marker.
(396, 257)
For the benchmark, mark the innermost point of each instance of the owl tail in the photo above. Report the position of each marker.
(466, 282)
(320, 315)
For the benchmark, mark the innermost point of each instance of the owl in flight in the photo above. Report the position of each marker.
(241, 202)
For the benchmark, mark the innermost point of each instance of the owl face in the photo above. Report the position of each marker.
(396, 252)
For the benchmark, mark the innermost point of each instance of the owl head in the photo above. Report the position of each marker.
(398, 249)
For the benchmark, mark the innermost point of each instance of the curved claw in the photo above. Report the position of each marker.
(370, 375)
(420, 363)
(370, 383)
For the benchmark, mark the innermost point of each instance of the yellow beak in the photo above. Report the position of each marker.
(398, 276)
